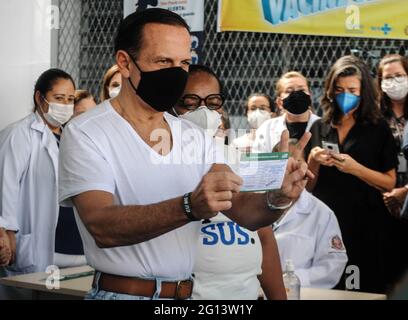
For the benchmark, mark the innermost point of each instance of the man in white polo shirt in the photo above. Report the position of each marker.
(140, 179)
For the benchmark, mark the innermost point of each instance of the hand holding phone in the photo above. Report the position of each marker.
(337, 157)
(332, 147)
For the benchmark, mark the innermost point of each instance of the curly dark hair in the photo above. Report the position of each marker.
(369, 110)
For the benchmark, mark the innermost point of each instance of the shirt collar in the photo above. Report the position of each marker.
(301, 206)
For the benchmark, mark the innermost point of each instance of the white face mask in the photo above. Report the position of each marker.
(58, 114)
(257, 117)
(395, 88)
(113, 93)
(205, 118)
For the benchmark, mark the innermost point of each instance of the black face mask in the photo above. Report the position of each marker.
(161, 89)
(297, 102)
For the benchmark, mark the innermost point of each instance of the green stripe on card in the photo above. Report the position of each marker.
(265, 156)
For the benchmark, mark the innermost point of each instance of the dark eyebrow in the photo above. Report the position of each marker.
(162, 58)
(63, 95)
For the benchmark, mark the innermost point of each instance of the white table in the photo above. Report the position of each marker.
(77, 288)
(69, 289)
(327, 294)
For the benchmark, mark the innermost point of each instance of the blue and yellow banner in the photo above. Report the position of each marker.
(386, 19)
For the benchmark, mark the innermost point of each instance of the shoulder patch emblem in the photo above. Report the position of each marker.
(337, 243)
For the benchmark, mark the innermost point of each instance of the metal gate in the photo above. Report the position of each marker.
(245, 61)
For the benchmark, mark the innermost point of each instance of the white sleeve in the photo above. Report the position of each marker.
(261, 139)
(82, 166)
(14, 159)
(215, 152)
(330, 257)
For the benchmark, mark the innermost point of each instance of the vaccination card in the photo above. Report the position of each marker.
(262, 171)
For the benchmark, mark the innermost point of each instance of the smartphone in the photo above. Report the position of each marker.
(402, 163)
(333, 147)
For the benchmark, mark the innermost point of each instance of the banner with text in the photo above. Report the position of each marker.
(386, 19)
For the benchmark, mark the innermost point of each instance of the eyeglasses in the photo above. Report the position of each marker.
(193, 101)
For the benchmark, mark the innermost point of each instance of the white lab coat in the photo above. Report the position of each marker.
(309, 234)
(28, 192)
(269, 133)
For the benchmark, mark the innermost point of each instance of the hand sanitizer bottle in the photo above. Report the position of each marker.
(291, 281)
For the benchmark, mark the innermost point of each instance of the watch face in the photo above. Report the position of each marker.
(274, 207)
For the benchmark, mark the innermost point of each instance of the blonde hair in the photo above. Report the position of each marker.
(106, 81)
(288, 75)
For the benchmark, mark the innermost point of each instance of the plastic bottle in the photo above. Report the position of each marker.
(291, 281)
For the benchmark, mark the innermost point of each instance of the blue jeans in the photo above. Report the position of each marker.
(97, 294)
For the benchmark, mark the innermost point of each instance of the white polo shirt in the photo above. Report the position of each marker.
(101, 151)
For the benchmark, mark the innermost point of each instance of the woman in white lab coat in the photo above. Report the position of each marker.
(28, 175)
(294, 101)
(259, 109)
(310, 236)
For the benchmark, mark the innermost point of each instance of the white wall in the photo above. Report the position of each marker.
(25, 38)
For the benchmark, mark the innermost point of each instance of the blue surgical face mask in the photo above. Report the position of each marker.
(347, 101)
